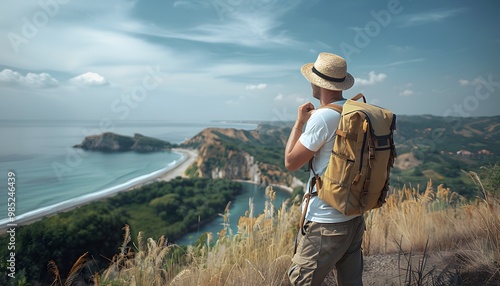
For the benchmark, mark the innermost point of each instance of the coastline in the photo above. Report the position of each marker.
(177, 170)
(181, 167)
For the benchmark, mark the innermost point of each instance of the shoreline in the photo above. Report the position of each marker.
(177, 170)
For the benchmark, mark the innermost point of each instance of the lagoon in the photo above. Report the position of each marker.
(238, 208)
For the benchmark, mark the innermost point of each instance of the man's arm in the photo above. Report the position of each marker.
(296, 154)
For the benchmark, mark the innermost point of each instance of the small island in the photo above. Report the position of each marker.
(112, 142)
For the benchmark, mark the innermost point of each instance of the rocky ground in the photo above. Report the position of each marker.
(436, 269)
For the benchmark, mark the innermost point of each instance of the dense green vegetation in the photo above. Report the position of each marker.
(448, 134)
(164, 208)
(491, 179)
(111, 142)
(436, 142)
(145, 143)
(267, 148)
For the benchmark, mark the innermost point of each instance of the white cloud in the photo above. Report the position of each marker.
(406, 62)
(372, 78)
(90, 79)
(41, 80)
(182, 4)
(279, 97)
(258, 20)
(466, 82)
(258, 31)
(430, 17)
(83, 44)
(407, 92)
(256, 86)
(463, 82)
(300, 99)
(401, 48)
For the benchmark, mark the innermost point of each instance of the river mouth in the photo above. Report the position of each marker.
(239, 207)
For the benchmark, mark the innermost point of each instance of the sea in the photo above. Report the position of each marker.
(50, 173)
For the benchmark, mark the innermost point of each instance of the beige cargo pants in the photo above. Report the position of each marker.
(326, 247)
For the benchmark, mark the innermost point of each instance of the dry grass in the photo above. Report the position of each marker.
(438, 220)
(73, 273)
(260, 252)
(413, 217)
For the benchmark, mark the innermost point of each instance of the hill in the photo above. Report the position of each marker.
(255, 155)
(439, 148)
(428, 147)
(111, 142)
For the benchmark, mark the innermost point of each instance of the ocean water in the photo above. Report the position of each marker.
(49, 172)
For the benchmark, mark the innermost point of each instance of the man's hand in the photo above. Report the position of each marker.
(305, 111)
(296, 155)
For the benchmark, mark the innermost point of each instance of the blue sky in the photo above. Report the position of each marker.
(193, 60)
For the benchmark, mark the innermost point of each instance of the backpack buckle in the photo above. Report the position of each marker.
(372, 152)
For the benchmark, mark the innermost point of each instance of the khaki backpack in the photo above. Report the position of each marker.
(357, 177)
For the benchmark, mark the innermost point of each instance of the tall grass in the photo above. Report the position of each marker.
(412, 221)
(258, 254)
(440, 218)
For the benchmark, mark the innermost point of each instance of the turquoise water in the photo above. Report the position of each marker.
(238, 208)
(49, 171)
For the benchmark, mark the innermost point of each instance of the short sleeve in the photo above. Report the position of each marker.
(316, 132)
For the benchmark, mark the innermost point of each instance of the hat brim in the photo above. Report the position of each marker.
(347, 83)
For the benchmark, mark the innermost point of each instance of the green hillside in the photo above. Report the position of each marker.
(439, 148)
(428, 147)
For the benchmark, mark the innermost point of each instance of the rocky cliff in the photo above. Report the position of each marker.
(428, 147)
(254, 155)
(111, 142)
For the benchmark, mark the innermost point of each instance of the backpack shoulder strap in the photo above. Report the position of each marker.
(358, 96)
(338, 108)
(333, 106)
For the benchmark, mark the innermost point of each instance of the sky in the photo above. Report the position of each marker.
(198, 60)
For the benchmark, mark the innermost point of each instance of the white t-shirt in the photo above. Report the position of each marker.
(318, 137)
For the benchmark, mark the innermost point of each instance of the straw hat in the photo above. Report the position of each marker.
(329, 71)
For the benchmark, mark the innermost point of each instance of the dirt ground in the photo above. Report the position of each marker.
(440, 269)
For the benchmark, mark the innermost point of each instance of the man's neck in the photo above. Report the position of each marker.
(330, 96)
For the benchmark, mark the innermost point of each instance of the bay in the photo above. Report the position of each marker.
(49, 171)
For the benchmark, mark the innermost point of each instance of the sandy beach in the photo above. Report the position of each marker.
(177, 170)
(189, 158)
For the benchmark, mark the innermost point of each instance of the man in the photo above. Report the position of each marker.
(328, 240)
